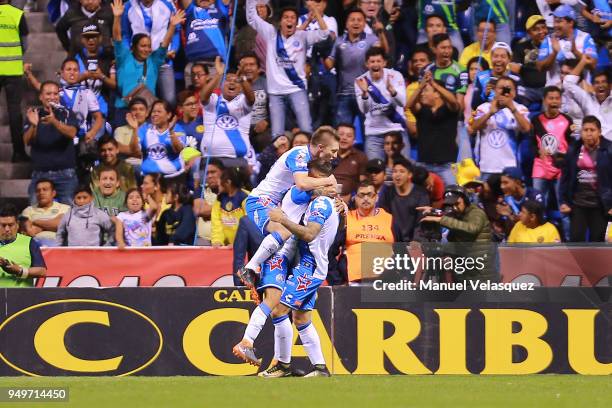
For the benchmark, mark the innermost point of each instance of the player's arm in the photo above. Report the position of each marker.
(304, 232)
(306, 183)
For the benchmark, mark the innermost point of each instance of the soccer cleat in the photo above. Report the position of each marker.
(277, 371)
(249, 278)
(319, 371)
(246, 352)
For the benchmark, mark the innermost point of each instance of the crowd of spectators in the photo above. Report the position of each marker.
(157, 127)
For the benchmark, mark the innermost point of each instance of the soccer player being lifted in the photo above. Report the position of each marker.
(274, 270)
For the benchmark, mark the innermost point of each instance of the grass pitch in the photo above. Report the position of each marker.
(339, 391)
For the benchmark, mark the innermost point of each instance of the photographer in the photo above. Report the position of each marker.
(467, 223)
(20, 256)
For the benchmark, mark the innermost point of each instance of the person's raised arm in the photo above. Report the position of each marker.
(30, 133)
(118, 8)
(176, 19)
(247, 89)
(211, 85)
(413, 101)
(65, 129)
(545, 63)
(481, 121)
(306, 232)
(134, 145)
(30, 77)
(448, 97)
(256, 22)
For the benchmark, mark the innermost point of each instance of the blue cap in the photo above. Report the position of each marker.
(513, 173)
(565, 11)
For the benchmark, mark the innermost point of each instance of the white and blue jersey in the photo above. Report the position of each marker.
(300, 289)
(226, 127)
(152, 20)
(584, 43)
(158, 153)
(205, 31)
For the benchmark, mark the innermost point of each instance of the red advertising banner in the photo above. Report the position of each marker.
(205, 266)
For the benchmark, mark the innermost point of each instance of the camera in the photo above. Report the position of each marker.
(431, 231)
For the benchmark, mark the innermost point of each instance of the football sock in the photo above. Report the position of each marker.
(256, 322)
(312, 343)
(283, 335)
(268, 247)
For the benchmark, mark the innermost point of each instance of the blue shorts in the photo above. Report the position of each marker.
(257, 210)
(273, 272)
(300, 291)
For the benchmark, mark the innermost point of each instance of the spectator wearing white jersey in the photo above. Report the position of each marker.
(381, 96)
(227, 118)
(285, 62)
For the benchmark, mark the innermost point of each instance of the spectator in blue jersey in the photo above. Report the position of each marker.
(348, 57)
(484, 83)
(565, 42)
(445, 9)
(498, 11)
(138, 67)
(322, 81)
(599, 14)
(153, 18)
(159, 142)
(192, 123)
(227, 118)
(285, 64)
(205, 29)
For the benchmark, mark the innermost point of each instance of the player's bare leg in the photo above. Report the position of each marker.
(244, 350)
(311, 342)
(283, 338)
(268, 247)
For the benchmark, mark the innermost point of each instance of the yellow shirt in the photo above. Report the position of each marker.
(410, 89)
(545, 233)
(34, 213)
(609, 232)
(471, 51)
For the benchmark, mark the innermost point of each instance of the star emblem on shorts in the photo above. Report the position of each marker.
(303, 283)
(276, 263)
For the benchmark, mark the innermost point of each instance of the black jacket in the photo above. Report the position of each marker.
(604, 174)
(74, 20)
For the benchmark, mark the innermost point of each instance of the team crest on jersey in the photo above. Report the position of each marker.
(264, 201)
(303, 283)
(275, 263)
(497, 138)
(450, 80)
(550, 144)
(200, 128)
(361, 44)
(428, 9)
(280, 278)
(157, 151)
(227, 122)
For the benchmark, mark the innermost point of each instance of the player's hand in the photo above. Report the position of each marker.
(340, 206)
(276, 215)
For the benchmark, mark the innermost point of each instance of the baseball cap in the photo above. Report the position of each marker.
(90, 29)
(513, 172)
(533, 20)
(565, 11)
(467, 172)
(503, 46)
(375, 166)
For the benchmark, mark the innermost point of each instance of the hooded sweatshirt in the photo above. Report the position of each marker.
(84, 225)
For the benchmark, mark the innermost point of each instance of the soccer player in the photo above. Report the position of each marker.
(291, 168)
(321, 223)
(274, 270)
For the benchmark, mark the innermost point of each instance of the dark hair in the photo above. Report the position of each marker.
(67, 60)
(571, 62)
(302, 132)
(434, 15)
(419, 175)
(137, 101)
(82, 188)
(374, 51)
(536, 208)
(183, 96)
(322, 166)
(130, 191)
(355, 10)
(136, 39)
(250, 54)
(550, 89)
(202, 65)
(184, 195)
(215, 161)
(438, 38)
(365, 184)
(592, 119)
(319, 135)
(105, 139)
(404, 162)
(166, 105)
(346, 125)
(288, 8)
(506, 78)
(234, 176)
(46, 180)
(396, 135)
(483, 63)
(9, 210)
(484, 20)
(423, 50)
(45, 83)
(104, 169)
(602, 72)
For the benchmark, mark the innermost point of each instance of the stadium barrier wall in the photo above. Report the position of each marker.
(191, 331)
(201, 266)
